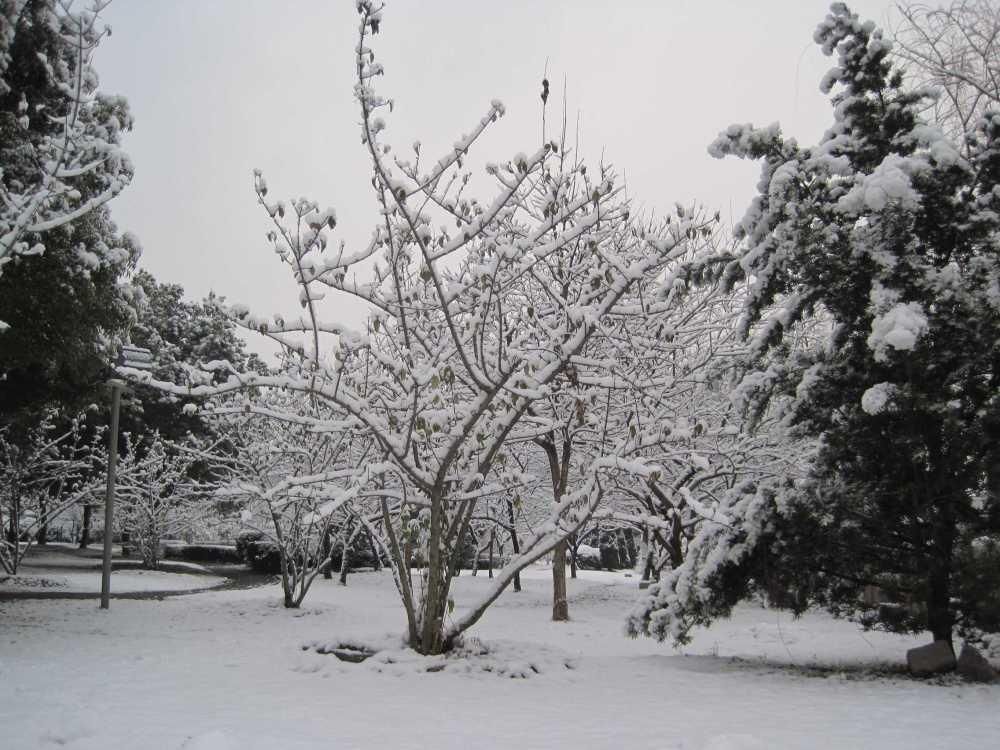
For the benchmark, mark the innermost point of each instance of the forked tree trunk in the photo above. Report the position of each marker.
(559, 474)
(287, 583)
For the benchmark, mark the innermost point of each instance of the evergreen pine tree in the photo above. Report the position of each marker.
(888, 232)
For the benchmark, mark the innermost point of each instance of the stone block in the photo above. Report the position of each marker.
(930, 659)
(973, 666)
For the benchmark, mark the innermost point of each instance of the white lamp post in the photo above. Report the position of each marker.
(138, 359)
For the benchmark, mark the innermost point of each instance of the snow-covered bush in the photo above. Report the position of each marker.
(55, 467)
(289, 483)
(158, 494)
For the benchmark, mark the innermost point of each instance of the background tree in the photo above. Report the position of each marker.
(888, 232)
(61, 311)
(158, 494)
(956, 50)
(66, 310)
(44, 474)
(290, 483)
(182, 335)
(60, 138)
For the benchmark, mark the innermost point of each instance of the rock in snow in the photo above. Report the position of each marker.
(974, 667)
(930, 659)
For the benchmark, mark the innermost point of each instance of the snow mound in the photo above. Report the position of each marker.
(32, 582)
(509, 659)
(66, 730)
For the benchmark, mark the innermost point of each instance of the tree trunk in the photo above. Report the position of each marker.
(492, 537)
(345, 553)
(88, 513)
(574, 548)
(560, 607)
(15, 521)
(375, 550)
(940, 617)
(328, 554)
(646, 554)
(624, 556)
(514, 541)
(434, 603)
(286, 584)
(345, 558)
(149, 548)
(675, 548)
(559, 473)
(42, 536)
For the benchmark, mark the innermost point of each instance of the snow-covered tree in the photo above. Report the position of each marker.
(887, 232)
(43, 475)
(181, 334)
(465, 337)
(158, 492)
(955, 49)
(66, 314)
(635, 374)
(60, 138)
(291, 483)
(60, 162)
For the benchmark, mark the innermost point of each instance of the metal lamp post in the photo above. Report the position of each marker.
(137, 359)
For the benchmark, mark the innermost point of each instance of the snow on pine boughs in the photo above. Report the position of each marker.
(61, 155)
(883, 238)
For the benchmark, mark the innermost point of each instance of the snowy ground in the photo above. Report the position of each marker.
(60, 568)
(122, 581)
(226, 670)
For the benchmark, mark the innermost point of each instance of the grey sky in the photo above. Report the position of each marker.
(219, 87)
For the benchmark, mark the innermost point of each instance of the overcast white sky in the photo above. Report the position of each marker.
(219, 87)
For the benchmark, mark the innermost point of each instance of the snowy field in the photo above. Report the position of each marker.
(121, 581)
(60, 568)
(226, 670)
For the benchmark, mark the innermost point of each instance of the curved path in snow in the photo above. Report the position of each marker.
(236, 576)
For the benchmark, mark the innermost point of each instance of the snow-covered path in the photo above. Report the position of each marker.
(226, 669)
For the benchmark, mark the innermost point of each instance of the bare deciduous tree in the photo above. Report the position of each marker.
(479, 309)
(956, 49)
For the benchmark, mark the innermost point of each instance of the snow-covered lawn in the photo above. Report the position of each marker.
(61, 568)
(227, 669)
(122, 581)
